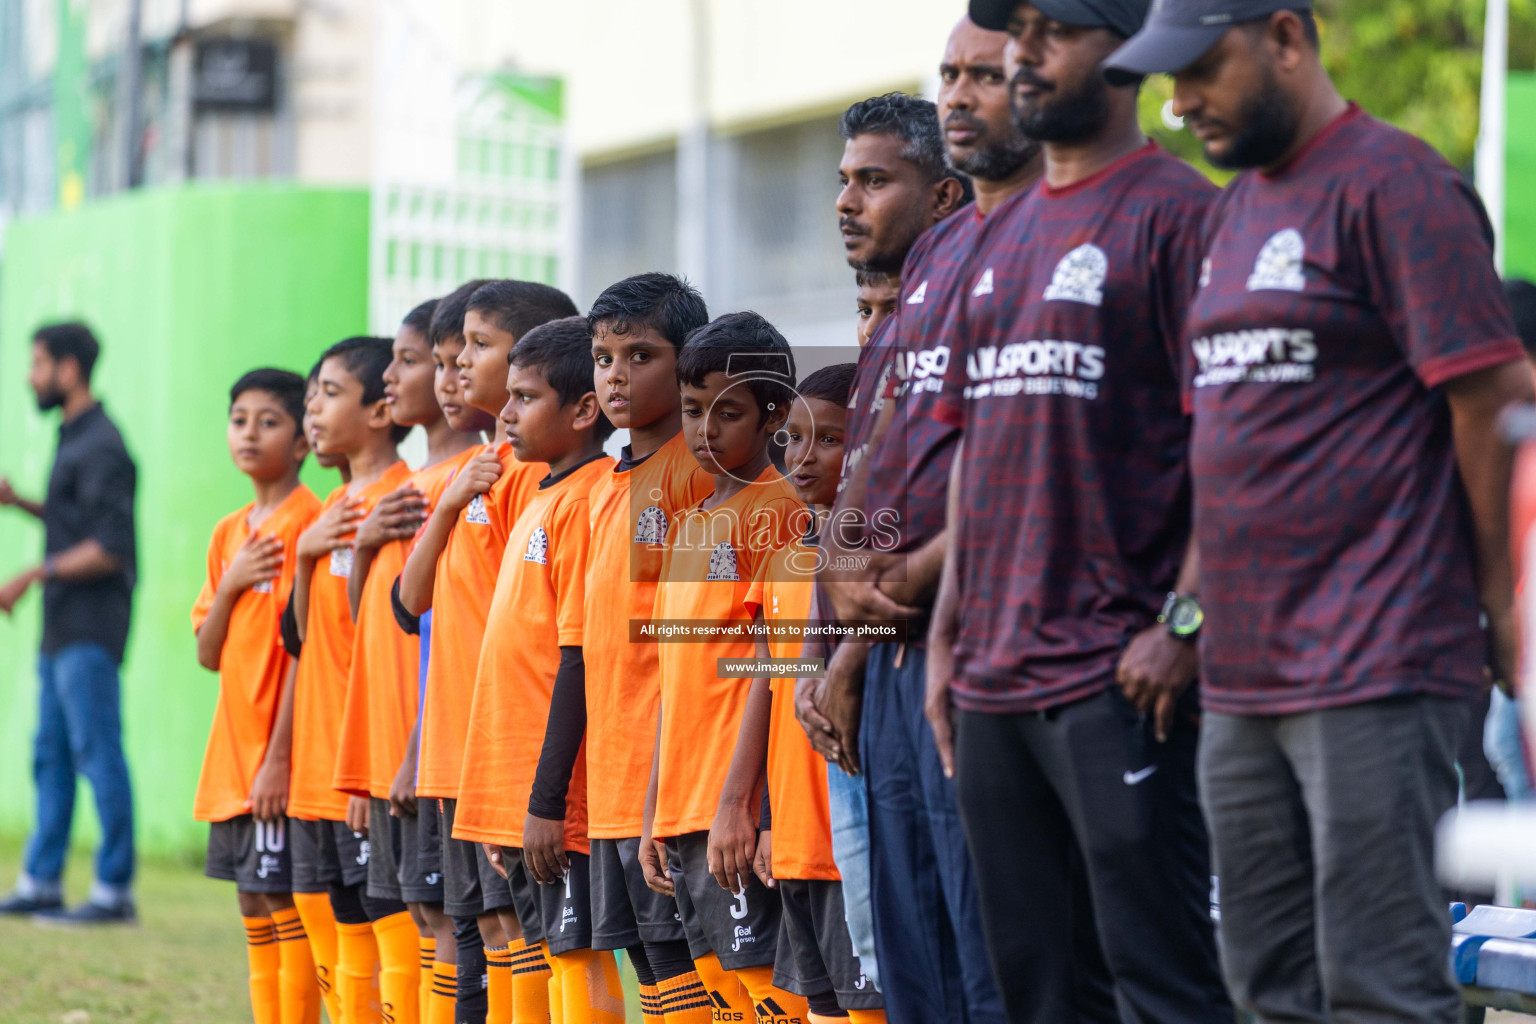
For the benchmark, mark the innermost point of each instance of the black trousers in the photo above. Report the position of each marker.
(1092, 864)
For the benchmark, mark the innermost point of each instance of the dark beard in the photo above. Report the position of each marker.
(1067, 117)
(1268, 130)
(1001, 160)
(49, 399)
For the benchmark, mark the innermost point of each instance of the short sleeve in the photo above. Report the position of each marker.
(107, 482)
(770, 528)
(1427, 249)
(215, 572)
(568, 568)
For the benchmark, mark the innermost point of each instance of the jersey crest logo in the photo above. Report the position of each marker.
(651, 526)
(722, 563)
(1079, 277)
(475, 512)
(341, 562)
(264, 587)
(538, 547)
(917, 296)
(984, 286)
(1279, 266)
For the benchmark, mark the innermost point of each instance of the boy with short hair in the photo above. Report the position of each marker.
(815, 958)
(736, 375)
(243, 787)
(382, 689)
(638, 325)
(348, 415)
(877, 298)
(453, 571)
(532, 649)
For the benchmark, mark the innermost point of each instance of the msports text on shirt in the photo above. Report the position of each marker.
(1035, 368)
(1268, 355)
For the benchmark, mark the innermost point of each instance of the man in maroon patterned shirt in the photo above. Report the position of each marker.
(1350, 350)
(1075, 724)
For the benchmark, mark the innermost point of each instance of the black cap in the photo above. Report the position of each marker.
(1180, 32)
(1123, 17)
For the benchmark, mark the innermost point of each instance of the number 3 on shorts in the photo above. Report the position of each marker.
(739, 911)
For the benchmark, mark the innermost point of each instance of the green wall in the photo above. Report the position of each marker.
(1520, 178)
(187, 288)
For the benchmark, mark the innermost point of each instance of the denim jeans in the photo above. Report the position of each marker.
(79, 732)
(1502, 746)
(850, 850)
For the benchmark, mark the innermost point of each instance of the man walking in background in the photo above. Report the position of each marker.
(87, 576)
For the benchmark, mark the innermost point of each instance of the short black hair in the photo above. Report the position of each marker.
(517, 307)
(561, 350)
(420, 319)
(830, 384)
(668, 305)
(366, 359)
(448, 317)
(1522, 303)
(70, 340)
(284, 385)
(741, 345)
(911, 119)
(870, 278)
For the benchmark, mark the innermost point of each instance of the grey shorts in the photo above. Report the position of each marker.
(421, 854)
(255, 855)
(471, 887)
(625, 910)
(561, 914)
(815, 953)
(327, 853)
(384, 843)
(742, 930)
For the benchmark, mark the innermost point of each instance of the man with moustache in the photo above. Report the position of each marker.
(87, 579)
(925, 903)
(1074, 727)
(896, 184)
(1351, 511)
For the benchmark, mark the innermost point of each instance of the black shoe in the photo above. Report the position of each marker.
(20, 905)
(87, 914)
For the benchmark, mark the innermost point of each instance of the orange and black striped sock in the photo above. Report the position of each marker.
(770, 1002)
(530, 982)
(297, 987)
(314, 909)
(266, 969)
(694, 998)
(445, 992)
(498, 985)
(427, 944)
(650, 1005)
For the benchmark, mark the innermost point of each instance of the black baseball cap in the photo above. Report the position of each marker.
(1180, 32)
(1122, 17)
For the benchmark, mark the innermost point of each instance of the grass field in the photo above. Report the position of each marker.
(184, 963)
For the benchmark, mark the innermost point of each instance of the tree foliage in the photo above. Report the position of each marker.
(1415, 63)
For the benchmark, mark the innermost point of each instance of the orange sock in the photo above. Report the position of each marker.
(399, 968)
(771, 1003)
(266, 966)
(445, 990)
(590, 992)
(530, 982)
(498, 987)
(555, 987)
(650, 1005)
(723, 990)
(297, 988)
(684, 1000)
(427, 945)
(821, 1018)
(357, 965)
(866, 1017)
(320, 925)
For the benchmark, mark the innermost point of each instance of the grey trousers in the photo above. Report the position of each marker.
(1322, 833)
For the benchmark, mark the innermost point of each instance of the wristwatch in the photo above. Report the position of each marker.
(1182, 615)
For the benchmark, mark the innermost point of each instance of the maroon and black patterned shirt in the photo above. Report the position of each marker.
(867, 397)
(909, 466)
(1336, 556)
(1074, 500)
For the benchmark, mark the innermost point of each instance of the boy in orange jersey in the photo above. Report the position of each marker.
(243, 788)
(423, 858)
(815, 955)
(453, 571)
(532, 648)
(637, 327)
(736, 375)
(348, 415)
(380, 711)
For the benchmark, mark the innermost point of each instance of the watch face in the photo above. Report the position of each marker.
(1185, 616)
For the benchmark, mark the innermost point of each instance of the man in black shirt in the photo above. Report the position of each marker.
(87, 578)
